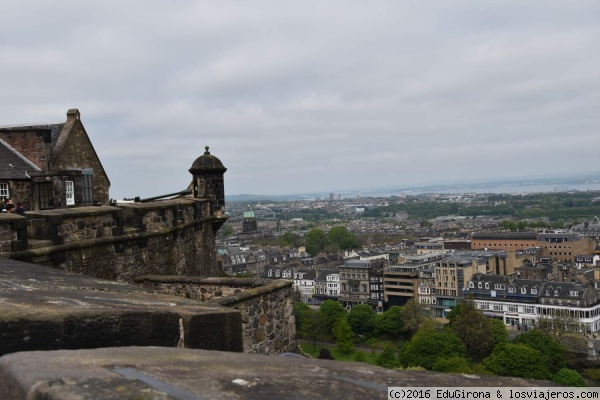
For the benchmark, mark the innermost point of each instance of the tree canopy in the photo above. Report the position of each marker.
(390, 323)
(362, 319)
(315, 241)
(414, 315)
(343, 335)
(341, 237)
(331, 311)
(474, 329)
(387, 358)
(520, 360)
(428, 346)
(547, 345)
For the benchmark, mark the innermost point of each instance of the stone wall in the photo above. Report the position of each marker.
(12, 232)
(171, 237)
(268, 323)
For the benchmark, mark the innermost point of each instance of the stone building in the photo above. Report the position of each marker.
(51, 166)
(523, 302)
(361, 282)
(249, 224)
(503, 240)
(400, 281)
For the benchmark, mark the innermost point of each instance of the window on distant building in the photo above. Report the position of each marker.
(4, 191)
(45, 195)
(69, 193)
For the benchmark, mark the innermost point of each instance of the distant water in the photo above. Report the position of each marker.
(516, 189)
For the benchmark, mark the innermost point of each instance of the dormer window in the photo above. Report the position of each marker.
(471, 285)
(556, 292)
(573, 293)
(479, 286)
(524, 290)
(511, 289)
(487, 285)
(533, 290)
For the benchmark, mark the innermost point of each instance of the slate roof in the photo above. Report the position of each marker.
(54, 129)
(356, 264)
(323, 275)
(13, 165)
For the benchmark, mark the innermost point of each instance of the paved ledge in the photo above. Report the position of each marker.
(157, 373)
(47, 309)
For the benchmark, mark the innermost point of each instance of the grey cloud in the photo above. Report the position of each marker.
(297, 96)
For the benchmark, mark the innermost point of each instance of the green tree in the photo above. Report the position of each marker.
(227, 230)
(453, 313)
(331, 312)
(427, 346)
(414, 315)
(518, 360)
(454, 364)
(474, 329)
(360, 356)
(387, 358)
(288, 239)
(298, 308)
(546, 345)
(361, 319)
(390, 323)
(343, 335)
(311, 326)
(342, 238)
(499, 331)
(568, 377)
(315, 241)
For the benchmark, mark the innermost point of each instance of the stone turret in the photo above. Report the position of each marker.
(208, 181)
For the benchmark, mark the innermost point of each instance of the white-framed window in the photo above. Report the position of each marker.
(529, 309)
(573, 293)
(70, 193)
(4, 194)
(533, 290)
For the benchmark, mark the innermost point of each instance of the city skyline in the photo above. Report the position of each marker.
(297, 98)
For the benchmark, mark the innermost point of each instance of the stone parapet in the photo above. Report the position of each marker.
(168, 237)
(268, 323)
(47, 309)
(162, 373)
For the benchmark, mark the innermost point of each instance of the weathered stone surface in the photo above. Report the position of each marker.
(155, 373)
(46, 309)
(265, 305)
(95, 240)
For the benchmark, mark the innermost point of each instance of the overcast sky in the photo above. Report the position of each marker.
(305, 96)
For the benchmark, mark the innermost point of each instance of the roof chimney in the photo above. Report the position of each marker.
(73, 113)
